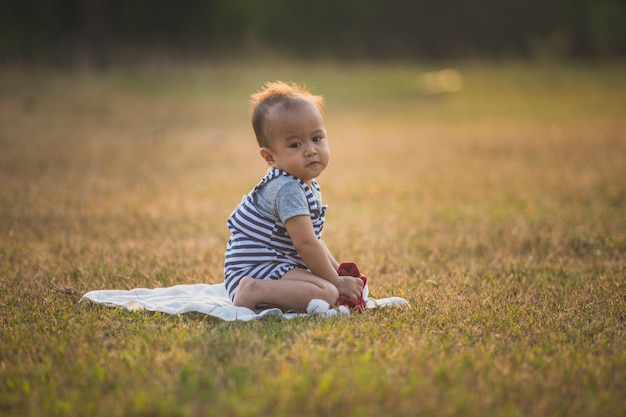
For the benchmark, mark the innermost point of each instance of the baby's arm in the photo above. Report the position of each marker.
(317, 258)
(311, 249)
(331, 258)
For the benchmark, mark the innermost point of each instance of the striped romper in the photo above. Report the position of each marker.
(259, 246)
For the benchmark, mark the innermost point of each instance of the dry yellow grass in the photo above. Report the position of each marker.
(498, 212)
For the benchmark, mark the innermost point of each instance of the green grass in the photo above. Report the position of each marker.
(498, 212)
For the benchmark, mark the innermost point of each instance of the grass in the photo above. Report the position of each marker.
(497, 212)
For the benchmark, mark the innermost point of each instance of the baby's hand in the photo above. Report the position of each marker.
(351, 287)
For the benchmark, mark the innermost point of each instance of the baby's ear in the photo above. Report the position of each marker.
(266, 154)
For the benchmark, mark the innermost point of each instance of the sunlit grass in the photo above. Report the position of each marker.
(497, 211)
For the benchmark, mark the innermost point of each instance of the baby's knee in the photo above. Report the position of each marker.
(331, 294)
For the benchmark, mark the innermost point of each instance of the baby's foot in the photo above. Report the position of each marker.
(243, 295)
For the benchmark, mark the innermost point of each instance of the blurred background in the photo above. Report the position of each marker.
(103, 32)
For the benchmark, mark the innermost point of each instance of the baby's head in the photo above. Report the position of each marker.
(275, 96)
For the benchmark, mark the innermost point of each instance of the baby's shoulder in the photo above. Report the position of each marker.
(280, 185)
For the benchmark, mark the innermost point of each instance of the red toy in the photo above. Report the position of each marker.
(351, 269)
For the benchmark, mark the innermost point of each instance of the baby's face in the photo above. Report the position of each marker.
(298, 140)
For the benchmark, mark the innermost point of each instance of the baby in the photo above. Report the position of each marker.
(275, 255)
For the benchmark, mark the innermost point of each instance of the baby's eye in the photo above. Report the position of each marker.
(295, 145)
(318, 138)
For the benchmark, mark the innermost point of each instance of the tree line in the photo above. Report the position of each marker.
(346, 29)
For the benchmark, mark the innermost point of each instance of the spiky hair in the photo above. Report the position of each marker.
(273, 94)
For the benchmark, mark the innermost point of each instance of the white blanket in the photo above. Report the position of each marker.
(211, 299)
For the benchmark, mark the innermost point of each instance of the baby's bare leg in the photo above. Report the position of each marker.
(291, 293)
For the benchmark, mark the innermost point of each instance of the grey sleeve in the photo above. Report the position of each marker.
(291, 201)
(282, 199)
